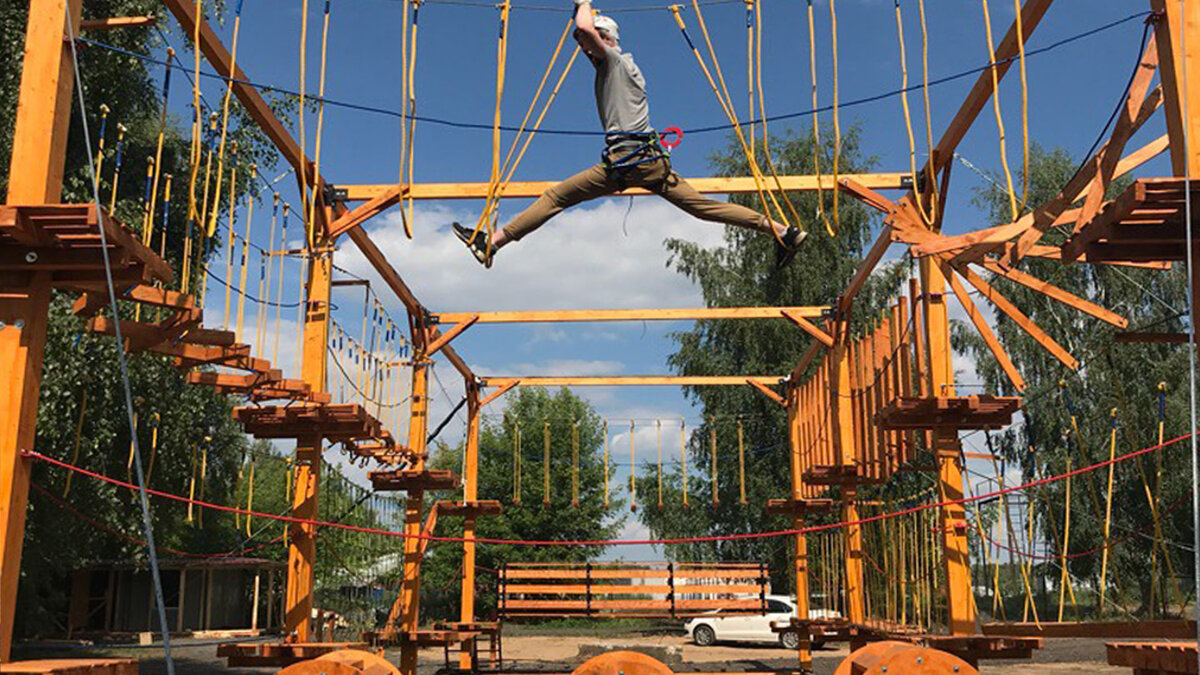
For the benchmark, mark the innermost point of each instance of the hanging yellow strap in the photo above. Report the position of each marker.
(154, 422)
(132, 440)
(116, 181)
(233, 50)
(816, 124)
(931, 175)
(283, 239)
(604, 431)
(683, 472)
(517, 464)
(1008, 179)
(100, 143)
(908, 126)
(266, 262)
(287, 493)
(632, 470)
(304, 194)
(409, 212)
(712, 451)
(1065, 578)
(1112, 453)
(837, 124)
(232, 236)
(767, 198)
(762, 112)
(83, 399)
(250, 497)
(1024, 105)
(191, 487)
(575, 465)
(197, 121)
(245, 264)
(750, 31)
(148, 226)
(660, 464)
(545, 464)
(501, 64)
(741, 464)
(316, 184)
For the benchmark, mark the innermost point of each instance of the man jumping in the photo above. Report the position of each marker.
(633, 156)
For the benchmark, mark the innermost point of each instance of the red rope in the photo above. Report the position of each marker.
(614, 542)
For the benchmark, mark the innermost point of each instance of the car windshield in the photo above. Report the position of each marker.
(778, 607)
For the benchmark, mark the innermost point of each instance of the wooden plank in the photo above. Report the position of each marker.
(985, 331)
(1146, 628)
(768, 392)
(1155, 658)
(635, 380)
(717, 185)
(118, 22)
(1051, 291)
(597, 315)
(1023, 322)
(376, 205)
(808, 327)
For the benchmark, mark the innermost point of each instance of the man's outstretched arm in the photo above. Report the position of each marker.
(585, 30)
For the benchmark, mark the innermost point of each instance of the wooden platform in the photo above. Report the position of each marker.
(278, 654)
(1162, 629)
(65, 240)
(71, 667)
(411, 479)
(333, 421)
(1154, 658)
(958, 412)
(1144, 224)
(798, 507)
(486, 507)
(840, 474)
(975, 648)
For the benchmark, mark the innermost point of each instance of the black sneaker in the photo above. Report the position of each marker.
(787, 245)
(475, 241)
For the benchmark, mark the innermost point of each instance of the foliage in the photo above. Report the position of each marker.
(741, 273)
(528, 410)
(1113, 377)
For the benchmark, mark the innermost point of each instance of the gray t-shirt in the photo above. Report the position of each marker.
(621, 93)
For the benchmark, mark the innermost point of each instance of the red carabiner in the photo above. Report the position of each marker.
(676, 132)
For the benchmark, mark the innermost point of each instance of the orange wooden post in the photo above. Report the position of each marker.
(1181, 115)
(35, 177)
(947, 451)
(841, 404)
(795, 433)
(470, 494)
(302, 543)
(410, 585)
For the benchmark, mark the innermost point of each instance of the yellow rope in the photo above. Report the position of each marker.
(100, 143)
(404, 72)
(132, 440)
(231, 238)
(316, 181)
(1065, 578)
(197, 124)
(712, 450)
(264, 287)
(741, 463)
(1024, 104)
(250, 497)
(683, 461)
(112, 198)
(722, 93)
(750, 31)
(148, 227)
(1012, 195)
(408, 212)
(233, 50)
(241, 309)
(762, 113)
(283, 240)
(605, 432)
(816, 139)
(1112, 453)
(545, 464)
(908, 126)
(837, 124)
(501, 64)
(516, 464)
(660, 464)
(83, 399)
(575, 465)
(632, 471)
(931, 175)
(191, 487)
(304, 194)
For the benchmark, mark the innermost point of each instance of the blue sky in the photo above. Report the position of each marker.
(588, 258)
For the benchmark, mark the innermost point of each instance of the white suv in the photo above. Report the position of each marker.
(709, 628)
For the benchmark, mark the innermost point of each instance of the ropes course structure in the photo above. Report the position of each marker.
(883, 519)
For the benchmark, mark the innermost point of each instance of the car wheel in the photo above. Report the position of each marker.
(704, 635)
(790, 640)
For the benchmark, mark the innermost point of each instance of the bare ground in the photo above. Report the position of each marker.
(558, 653)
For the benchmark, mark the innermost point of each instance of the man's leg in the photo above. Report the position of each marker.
(587, 184)
(677, 191)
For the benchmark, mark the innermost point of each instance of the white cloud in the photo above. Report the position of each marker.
(580, 259)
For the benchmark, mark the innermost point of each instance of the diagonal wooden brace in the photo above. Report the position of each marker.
(360, 214)
(504, 388)
(767, 391)
(809, 327)
(445, 338)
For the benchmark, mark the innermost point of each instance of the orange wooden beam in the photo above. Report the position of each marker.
(810, 328)
(767, 391)
(118, 22)
(985, 331)
(1023, 322)
(444, 339)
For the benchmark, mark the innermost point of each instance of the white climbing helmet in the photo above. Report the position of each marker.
(607, 26)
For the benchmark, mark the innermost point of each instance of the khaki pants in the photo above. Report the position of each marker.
(655, 176)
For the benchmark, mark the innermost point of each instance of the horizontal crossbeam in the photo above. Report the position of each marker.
(635, 381)
(582, 315)
(718, 185)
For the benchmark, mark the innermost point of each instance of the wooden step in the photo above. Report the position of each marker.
(92, 301)
(798, 507)
(949, 412)
(473, 509)
(333, 421)
(411, 479)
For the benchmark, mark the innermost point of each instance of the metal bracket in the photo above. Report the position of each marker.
(334, 194)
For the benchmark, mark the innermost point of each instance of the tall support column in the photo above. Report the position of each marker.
(35, 177)
(410, 585)
(948, 453)
(470, 494)
(841, 403)
(302, 545)
(801, 544)
(1182, 116)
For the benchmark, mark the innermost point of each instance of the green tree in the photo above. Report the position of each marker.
(529, 411)
(741, 273)
(190, 420)
(1113, 376)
